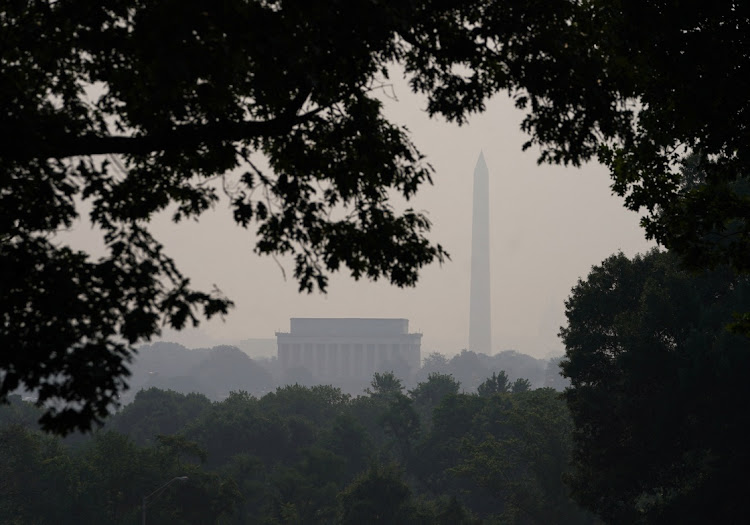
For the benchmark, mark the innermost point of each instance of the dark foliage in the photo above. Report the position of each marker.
(658, 391)
(301, 455)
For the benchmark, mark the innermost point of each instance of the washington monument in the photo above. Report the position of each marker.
(480, 335)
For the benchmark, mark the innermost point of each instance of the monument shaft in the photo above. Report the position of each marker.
(480, 332)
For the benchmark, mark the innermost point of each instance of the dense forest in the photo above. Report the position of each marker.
(299, 454)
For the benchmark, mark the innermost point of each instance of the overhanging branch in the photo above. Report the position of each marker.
(44, 144)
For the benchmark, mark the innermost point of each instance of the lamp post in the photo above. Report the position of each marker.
(155, 494)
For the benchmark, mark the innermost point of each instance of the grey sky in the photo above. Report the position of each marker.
(548, 226)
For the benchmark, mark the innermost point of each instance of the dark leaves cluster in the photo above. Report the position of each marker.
(657, 385)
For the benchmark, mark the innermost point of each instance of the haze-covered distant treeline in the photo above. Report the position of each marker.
(217, 371)
(430, 454)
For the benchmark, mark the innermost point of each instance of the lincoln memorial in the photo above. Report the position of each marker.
(347, 348)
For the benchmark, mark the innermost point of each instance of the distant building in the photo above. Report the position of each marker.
(348, 348)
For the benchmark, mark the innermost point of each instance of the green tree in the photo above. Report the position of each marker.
(497, 384)
(306, 493)
(38, 482)
(657, 391)
(206, 497)
(520, 385)
(518, 449)
(238, 425)
(439, 450)
(428, 395)
(377, 496)
(401, 423)
(320, 404)
(348, 439)
(154, 412)
(178, 447)
(384, 386)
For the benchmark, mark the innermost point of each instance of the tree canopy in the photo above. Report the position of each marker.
(640, 85)
(658, 391)
(300, 455)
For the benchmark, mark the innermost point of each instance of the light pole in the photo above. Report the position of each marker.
(155, 494)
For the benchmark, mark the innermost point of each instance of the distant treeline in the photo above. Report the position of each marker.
(217, 371)
(302, 455)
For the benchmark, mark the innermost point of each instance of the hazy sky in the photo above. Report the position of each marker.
(548, 226)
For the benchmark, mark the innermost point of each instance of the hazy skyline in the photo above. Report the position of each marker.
(549, 225)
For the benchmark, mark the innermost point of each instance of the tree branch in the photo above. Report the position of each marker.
(43, 145)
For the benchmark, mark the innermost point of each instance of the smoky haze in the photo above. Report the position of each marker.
(548, 226)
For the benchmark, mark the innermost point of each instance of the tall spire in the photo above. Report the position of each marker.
(480, 334)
